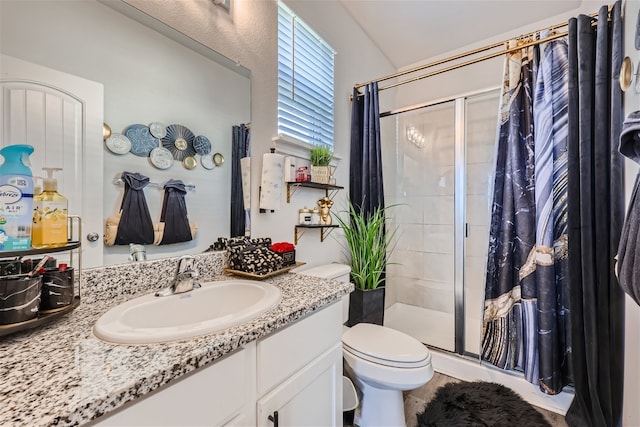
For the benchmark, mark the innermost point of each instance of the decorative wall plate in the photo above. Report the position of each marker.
(626, 73)
(202, 145)
(157, 129)
(218, 159)
(207, 161)
(161, 158)
(117, 143)
(142, 142)
(189, 162)
(106, 131)
(179, 140)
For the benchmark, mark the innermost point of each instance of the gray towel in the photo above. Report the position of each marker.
(628, 257)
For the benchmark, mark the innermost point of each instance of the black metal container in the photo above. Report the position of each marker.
(19, 298)
(57, 288)
(10, 267)
(29, 264)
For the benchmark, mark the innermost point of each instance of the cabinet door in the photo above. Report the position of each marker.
(215, 395)
(60, 115)
(310, 397)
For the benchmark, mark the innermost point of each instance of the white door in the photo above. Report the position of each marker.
(61, 116)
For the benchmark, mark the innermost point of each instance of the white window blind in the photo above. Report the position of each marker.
(305, 81)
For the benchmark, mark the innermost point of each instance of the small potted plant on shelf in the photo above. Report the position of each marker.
(368, 244)
(320, 157)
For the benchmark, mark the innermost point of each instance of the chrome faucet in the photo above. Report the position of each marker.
(184, 279)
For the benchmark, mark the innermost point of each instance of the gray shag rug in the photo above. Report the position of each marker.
(479, 404)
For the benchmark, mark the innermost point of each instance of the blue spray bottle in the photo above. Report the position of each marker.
(16, 198)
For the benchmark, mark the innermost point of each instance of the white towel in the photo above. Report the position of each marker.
(272, 181)
(245, 167)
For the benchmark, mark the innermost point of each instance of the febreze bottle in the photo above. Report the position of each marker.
(16, 198)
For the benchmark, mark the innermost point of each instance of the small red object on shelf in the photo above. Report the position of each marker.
(287, 250)
(282, 247)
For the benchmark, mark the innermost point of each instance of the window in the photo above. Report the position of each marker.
(305, 81)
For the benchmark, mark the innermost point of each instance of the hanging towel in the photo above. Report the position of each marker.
(174, 224)
(245, 166)
(272, 181)
(134, 225)
(628, 257)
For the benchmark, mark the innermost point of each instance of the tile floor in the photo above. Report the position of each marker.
(415, 401)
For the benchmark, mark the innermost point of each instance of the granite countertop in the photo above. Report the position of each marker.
(60, 374)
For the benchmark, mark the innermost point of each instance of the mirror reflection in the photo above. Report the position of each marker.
(150, 74)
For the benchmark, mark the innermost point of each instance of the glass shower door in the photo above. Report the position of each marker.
(480, 124)
(420, 283)
(441, 180)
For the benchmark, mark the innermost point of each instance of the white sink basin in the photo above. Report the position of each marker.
(211, 308)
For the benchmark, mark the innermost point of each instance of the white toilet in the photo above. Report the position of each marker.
(383, 363)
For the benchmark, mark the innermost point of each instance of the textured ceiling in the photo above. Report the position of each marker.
(409, 31)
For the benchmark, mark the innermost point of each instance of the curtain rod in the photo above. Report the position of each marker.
(469, 53)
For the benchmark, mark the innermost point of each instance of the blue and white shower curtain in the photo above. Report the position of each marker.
(524, 318)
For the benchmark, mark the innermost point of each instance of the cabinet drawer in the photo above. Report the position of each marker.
(287, 351)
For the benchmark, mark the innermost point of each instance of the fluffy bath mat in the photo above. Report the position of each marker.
(479, 404)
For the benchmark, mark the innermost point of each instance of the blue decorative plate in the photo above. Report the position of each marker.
(202, 145)
(179, 140)
(142, 142)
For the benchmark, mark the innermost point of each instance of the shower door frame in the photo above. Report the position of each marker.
(460, 228)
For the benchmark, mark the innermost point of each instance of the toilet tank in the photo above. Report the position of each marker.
(339, 272)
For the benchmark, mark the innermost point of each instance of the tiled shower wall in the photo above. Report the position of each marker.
(421, 276)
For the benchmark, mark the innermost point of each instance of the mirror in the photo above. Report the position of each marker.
(150, 73)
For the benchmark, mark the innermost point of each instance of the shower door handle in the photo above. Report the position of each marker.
(466, 229)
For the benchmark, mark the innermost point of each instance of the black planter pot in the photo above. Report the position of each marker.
(366, 306)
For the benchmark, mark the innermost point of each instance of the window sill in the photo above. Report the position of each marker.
(290, 146)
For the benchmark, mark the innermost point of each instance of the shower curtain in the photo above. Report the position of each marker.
(552, 306)
(366, 191)
(510, 321)
(596, 210)
(240, 149)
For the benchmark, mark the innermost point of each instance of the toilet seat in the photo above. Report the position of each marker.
(385, 346)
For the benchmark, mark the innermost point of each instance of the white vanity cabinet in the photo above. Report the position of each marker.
(296, 372)
(214, 395)
(299, 373)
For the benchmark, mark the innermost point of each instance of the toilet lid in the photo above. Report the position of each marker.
(385, 346)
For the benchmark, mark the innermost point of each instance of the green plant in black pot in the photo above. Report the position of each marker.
(368, 244)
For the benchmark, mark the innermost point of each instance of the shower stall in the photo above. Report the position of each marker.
(439, 175)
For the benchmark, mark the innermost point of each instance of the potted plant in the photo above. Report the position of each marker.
(368, 245)
(320, 157)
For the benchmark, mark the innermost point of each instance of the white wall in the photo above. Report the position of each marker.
(147, 77)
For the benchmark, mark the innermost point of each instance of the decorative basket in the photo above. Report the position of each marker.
(320, 174)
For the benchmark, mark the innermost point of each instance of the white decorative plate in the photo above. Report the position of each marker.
(117, 143)
(157, 129)
(161, 158)
(207, 161)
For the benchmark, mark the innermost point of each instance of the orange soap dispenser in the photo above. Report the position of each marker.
(50, 228)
